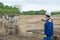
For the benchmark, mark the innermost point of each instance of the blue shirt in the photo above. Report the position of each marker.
(48, 28)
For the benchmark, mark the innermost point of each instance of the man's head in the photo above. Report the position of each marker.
(48, 15)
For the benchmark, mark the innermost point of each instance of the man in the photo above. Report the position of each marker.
(48, 27)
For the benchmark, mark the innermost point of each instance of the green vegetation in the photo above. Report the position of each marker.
(13, 10)
(54, 13)
(41, 12)
(8, 9)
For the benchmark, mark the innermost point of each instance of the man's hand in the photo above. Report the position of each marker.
(45, 36)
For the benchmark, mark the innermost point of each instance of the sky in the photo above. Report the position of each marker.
(26, 5)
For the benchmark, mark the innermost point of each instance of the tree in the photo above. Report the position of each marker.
(8, 9)
(1, 5)
(54, 13)
(42, 12)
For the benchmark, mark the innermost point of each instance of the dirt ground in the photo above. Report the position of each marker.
(30, 22)
(31, 28)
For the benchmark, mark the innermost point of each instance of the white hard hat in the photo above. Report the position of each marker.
(47, 13)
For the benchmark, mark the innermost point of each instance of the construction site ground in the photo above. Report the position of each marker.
(31, 28)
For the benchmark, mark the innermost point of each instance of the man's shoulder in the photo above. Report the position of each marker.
(50, 20)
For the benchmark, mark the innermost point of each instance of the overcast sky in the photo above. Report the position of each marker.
(49, 5)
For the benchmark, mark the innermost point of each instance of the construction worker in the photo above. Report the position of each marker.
(48, 27)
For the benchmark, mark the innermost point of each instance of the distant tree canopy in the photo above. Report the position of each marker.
(8, 9)
(42, 12)
(13, 10)
(54, 13)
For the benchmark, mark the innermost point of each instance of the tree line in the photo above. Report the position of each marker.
(40, 12)
(5, 9)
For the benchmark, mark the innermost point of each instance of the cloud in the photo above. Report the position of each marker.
(38, 2)
(39, 7)
(44, 2)
(50, 5)
(12, 2)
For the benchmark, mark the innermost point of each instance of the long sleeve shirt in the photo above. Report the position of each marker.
(48, 28)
